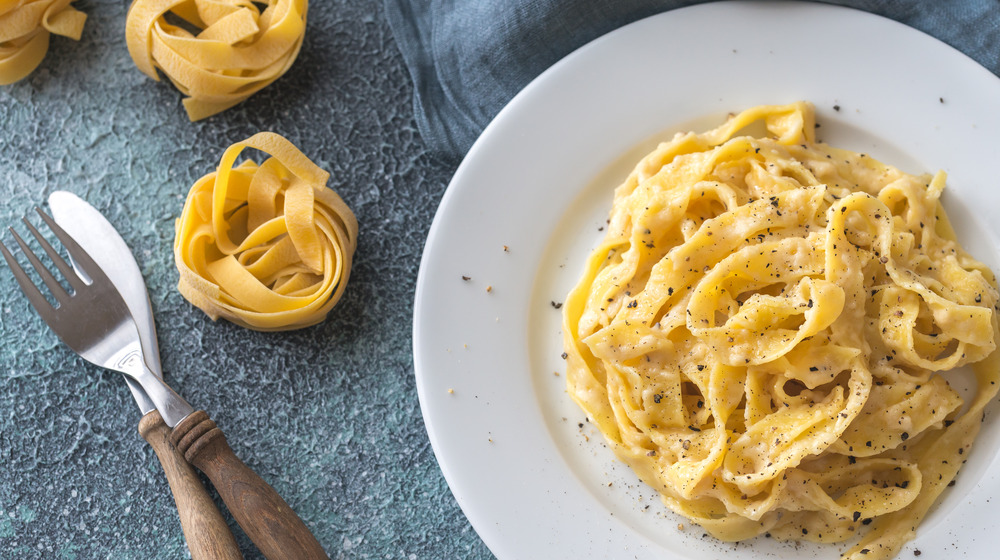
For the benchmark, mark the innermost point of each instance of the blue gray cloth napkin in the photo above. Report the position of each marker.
(468, 58)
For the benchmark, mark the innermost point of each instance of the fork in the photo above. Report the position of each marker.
(94, 321)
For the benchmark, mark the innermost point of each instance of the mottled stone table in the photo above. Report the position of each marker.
(328, 415)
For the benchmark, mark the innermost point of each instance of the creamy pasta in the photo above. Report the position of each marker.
(766, 331)
(269, 246)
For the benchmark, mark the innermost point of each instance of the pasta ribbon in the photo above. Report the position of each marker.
(216, 52)
(25, 27)
(268, 247)
(767, 332)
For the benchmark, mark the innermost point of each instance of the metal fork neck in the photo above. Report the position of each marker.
(173, 408)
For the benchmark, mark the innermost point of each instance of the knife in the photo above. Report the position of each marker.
(208, 536)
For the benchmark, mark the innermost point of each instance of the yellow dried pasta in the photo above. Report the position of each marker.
(25, 27)
(237, 50)
(268, 247)
(766, 332)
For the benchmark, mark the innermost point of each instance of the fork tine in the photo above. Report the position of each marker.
(80, 257)
(29, 288)
(61, 264)
(57, 290)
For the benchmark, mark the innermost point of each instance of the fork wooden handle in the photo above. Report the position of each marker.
(269, 522)
(208, 536)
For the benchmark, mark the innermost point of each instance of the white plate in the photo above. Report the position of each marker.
(532, 481)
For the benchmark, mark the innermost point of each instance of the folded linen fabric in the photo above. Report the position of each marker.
(468, 58)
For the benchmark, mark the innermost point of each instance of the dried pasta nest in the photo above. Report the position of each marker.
(25, 27)
(269, 246)
(216, 52)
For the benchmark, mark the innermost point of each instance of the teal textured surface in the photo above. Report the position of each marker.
(327, 415)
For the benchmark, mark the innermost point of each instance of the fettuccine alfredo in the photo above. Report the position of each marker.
(766, 331)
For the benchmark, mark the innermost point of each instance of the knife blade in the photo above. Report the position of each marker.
(101, 240)
(208, 536)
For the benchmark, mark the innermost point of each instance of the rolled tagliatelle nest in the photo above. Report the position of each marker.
(268, 247)
(216, 52)
(25, 27)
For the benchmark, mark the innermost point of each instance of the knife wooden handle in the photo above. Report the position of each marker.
(208, 536)
(269, 522)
